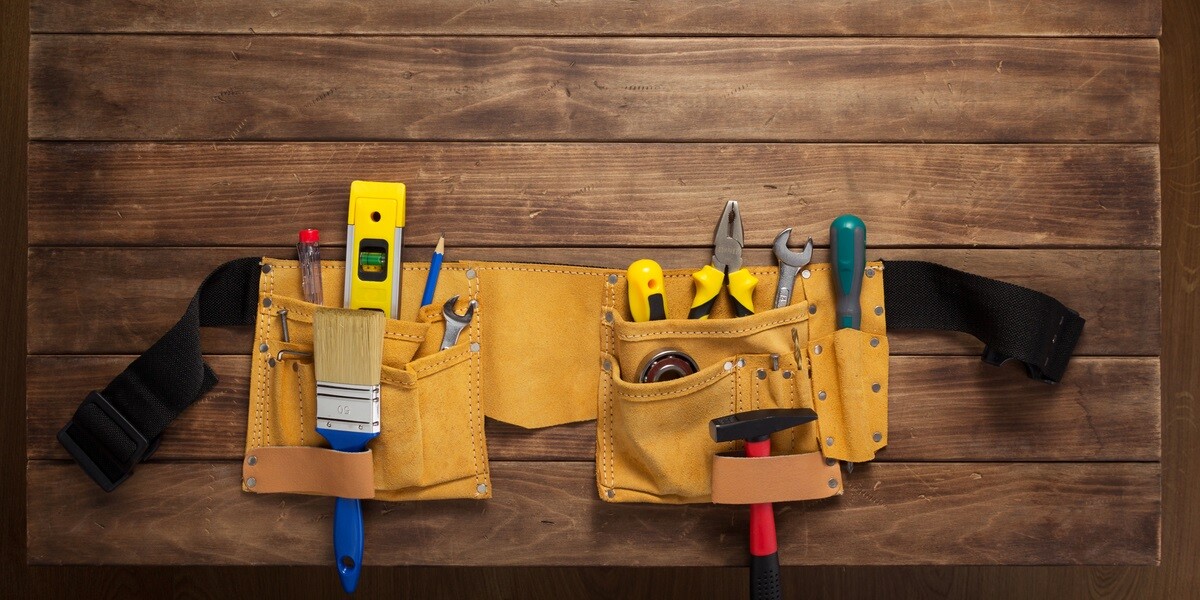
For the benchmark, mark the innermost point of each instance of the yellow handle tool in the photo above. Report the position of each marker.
(374, 236)
(741, 287)
(646, 299)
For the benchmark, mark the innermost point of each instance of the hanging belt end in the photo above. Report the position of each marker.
(95, 453)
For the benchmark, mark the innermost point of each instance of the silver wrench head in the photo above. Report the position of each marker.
(455, 323)
(787, 256)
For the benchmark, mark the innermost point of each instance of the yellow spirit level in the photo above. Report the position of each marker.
(374, 234)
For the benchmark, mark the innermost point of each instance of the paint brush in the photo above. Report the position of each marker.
(347, 356)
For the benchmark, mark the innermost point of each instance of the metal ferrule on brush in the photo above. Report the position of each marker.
(348, 407)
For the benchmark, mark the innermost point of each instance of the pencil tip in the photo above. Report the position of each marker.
(441, 245)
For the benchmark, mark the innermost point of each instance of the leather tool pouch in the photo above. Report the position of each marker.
(518, 363)
(653, 441)
(431, 442)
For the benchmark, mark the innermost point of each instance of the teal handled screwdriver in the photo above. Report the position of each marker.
(848, 248)
(848, 253)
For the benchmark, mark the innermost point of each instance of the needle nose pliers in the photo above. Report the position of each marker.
(726, 269)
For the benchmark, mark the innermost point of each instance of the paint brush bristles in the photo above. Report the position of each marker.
(348, 345)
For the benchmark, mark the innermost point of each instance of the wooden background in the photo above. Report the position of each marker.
(1019, 140)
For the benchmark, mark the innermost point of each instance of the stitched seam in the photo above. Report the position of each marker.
(434, 366)
(668, 332)
(304, 313)
(300, 395)
(266, 336)
(608, 438)
(598, 271)
(694, 386)
(473, 387)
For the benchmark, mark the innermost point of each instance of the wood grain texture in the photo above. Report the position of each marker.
(547, 513)
(70, 288)
(1181, 303)
(653, 17)
(543, 89)
(152, 194)
(940, 409)
(14, 63)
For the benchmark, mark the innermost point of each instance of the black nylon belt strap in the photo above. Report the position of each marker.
(1012, 321)
(117, 428)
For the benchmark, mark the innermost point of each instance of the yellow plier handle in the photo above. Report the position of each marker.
(708, 286)
(741, 287)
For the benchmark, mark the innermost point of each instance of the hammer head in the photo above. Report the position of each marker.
(758, 424)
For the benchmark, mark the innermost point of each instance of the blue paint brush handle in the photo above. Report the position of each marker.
(348, 541)
(347, 514)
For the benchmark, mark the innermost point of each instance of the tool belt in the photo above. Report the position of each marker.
(553, 344)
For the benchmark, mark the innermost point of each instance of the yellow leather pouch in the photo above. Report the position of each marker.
(431, 442)
(652, 443)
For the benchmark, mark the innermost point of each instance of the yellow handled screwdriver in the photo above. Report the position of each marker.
(726, 269)
(646, 299)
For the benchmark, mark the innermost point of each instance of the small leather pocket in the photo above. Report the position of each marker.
(849, 380)
(431, 442)
(654, 441)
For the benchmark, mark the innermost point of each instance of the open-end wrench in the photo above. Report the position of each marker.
(790, 264)
(455, 322)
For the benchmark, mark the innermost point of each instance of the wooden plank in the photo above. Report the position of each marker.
(583, 194)
(120, 300)
(940, 409)
(534, 17)
(484, 88)
(548, 514)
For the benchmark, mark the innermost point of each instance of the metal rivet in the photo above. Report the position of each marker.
(829, 441)
(612, 280)
(728, 366)
(611, 493)
(267, 302)
(266, 268)
(787, 374)
(481, 488)
(829, 462)
(877, 437)
(821, 395)
(879, 310)
(252, 460)
(263, 348)
(832, 483)
(608, 316)
(870, 273)
(251, 482)
(741, 362)
(805, 274)
(474, 346)
(470, 273)
(271, 362)
(607, 365)
(874, 342)
(876, 387)
(812, 309)
(761, 373)
(817, 349)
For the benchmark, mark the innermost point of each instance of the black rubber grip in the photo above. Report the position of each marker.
(764, 577)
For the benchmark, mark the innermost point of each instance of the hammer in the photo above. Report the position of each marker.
(756, 427)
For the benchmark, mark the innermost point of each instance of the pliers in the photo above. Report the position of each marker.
(726, 269)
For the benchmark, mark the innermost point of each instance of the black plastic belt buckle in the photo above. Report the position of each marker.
(94, 456)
